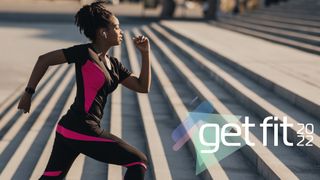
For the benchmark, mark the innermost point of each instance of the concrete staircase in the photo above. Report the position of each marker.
(294, 23)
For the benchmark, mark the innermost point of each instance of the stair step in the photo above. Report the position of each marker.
(311, 18)
(308, 39)
(284, 20)
(155, 147)
(282, 25)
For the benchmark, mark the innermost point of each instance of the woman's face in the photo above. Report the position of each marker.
(114, 32)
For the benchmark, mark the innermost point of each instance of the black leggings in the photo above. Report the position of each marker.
(97, 144)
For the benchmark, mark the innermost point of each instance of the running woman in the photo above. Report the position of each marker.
(97, 75)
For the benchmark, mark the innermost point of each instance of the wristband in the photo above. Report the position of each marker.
(29, 90)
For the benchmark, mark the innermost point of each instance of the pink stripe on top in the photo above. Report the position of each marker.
(135, 163)
(52, 173)
(93, 80)
(77, 136)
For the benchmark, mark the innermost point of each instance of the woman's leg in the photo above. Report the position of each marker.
(122, 153)
(61, 159)
(108, 148)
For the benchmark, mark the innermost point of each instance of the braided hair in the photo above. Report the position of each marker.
(91, 17)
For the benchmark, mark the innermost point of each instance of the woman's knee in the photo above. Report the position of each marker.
(144, 159)
(141, 159)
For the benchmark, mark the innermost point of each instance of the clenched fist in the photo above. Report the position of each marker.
(142, 43)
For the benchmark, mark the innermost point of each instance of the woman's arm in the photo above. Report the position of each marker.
(40, 68)
(44, 61)
(143, 83)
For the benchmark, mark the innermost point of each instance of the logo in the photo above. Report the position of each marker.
(216, 136)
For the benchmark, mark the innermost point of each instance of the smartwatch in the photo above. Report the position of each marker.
(29, 90)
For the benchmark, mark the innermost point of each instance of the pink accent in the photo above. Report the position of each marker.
(77, 136)
(135, 163)
(93, 80)
(52, 173)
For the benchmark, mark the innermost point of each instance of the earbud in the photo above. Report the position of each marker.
(105, 35)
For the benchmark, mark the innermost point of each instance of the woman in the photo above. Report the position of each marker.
(97, 75)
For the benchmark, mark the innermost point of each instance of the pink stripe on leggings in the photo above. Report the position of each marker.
(135, 163)
(52, 173)
(77, 136)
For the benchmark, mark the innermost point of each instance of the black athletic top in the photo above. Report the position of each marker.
(94, 82)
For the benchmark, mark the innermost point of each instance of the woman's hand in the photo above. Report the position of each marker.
(142, 43)
(25, 102)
